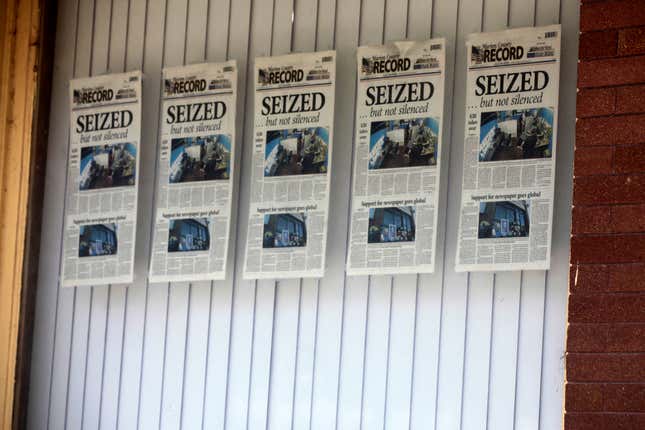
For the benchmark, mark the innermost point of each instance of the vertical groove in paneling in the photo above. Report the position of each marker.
(82, 302)
(287, 292)
(354, 292)
(551, 397)
(327, 368)
(199, 316)
(235, 411)
(373, 25)
(134, 305)
(115, 313)
(454, 296)
(445, 21)
(506, 292)
(50, 295)
(305, 39)
(150, 368)
(266, 290)
(216, 375)
(99, 296)
(442, 351)
(404, 288)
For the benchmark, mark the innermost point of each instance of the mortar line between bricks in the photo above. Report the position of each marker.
(632, 84)
(596, 293)
(610, 353)
(613, 354)
(612, 206)
(612, 324)
(614, 382)
(596, 412)
(622, 146)
(639, 263)
(605, 413)
(609, 30)
(615, 115)
(612, 234)
(606, 175)
(608, 204)
(616, 57)
(600, 205)
(628, 353)
(612, 115)
(637, 173)
(606, 383)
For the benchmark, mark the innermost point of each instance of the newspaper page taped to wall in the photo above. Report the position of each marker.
(509, 150)
(292, 142)
(102, 180)
(194, 173)
(399, 112)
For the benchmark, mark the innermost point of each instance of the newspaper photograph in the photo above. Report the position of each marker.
(509, 150)
(395, 191)
(292, 142)
(194, 174)
(102, 180)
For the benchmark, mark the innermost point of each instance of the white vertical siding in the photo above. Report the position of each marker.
(442, 351)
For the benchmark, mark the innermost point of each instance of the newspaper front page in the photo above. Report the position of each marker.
(509, 150)
(195, 171)
(102, 180)
(292, 142)
(399, 113)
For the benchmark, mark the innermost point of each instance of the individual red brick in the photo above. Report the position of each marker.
(593, 160)
(629, 159)
(616, 189)
(595, 102)
(598, 44)
(611, 72)
(588, 278)
(608, 249)
(628, 218)
(624, 129)
(591, 219)
(602, 337)
(631, 41)
(586, 397)
(630, 99)
(607, 308)
(603, 421)
(615, 14)
(605, 367)
(581, 397)
(626, 277)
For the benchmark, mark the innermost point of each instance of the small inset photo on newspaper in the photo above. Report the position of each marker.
(502, 219)
(200, 158)
(516, 135)
(392, 224)
(188, 234)
(105, 166)
(97, 240)
(403, 143)
(285, 230)
(298, 151)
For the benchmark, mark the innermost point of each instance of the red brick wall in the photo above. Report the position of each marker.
(605, 387)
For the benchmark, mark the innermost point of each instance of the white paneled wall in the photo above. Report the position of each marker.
(443, 351)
